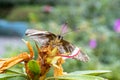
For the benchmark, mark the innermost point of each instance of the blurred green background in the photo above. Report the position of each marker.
(98, 22)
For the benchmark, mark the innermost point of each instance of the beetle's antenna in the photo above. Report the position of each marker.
(75, 30)
(64, 28)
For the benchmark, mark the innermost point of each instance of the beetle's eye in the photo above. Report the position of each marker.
(60, 37)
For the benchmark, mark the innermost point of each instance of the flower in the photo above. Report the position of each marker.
(47, 9)
(117, 26)
(92, 43)
(6, 63)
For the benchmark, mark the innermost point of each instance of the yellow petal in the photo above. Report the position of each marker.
(54, 51)
(55, 60)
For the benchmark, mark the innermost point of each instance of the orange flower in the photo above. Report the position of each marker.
(7, 63)
(47, 57)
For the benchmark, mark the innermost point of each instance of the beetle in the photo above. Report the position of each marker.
(46, 38)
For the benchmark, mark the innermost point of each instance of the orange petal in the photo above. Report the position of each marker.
(59, 71)
(30, 48)
(7, 63)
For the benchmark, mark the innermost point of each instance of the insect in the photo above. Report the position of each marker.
(48, 38)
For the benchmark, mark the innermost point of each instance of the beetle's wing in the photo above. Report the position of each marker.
(42, 37)
(75, 52)
(79, 55)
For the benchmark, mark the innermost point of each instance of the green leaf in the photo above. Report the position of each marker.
(6, 75)
(13, 71)
(89, 72)
(34, 67)
(80, 77)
